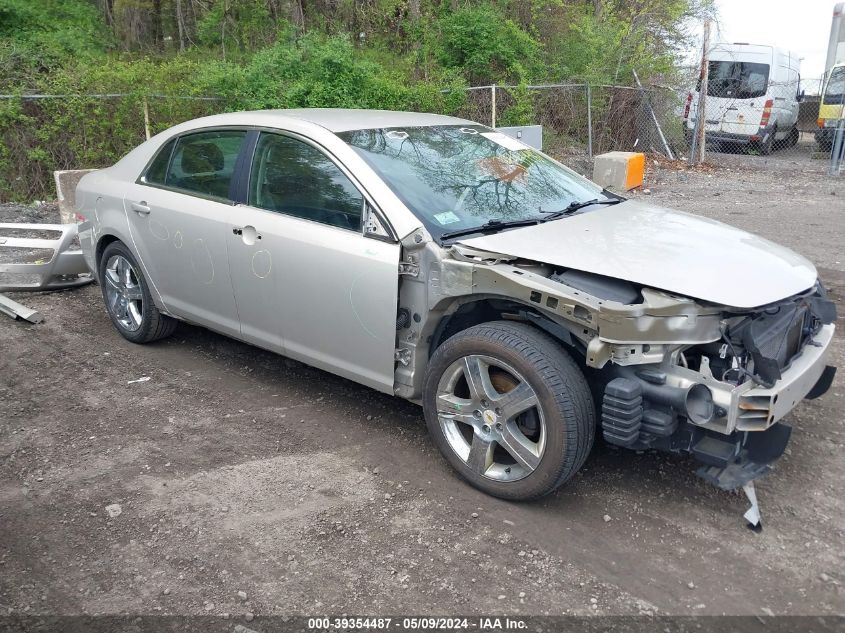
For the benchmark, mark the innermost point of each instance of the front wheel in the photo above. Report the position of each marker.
(509, 409)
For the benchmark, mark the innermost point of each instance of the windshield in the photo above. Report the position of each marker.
(835, 91)
(737, 80)
(458, 177)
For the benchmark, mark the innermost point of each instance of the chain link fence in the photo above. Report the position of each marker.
(582, 119)
(41, 133)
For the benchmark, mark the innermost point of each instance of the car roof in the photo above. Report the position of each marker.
(340, 119)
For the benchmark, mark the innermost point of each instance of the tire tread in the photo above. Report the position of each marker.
(155, 325)
(561, 375)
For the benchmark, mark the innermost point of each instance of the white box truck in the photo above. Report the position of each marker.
(753, 93)
(836, 44)
(833, 90)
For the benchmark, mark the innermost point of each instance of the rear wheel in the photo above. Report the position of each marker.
(509, 409)
(794, 135)
(128, 300)
(767, 146)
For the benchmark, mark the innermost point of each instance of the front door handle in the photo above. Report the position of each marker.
(140, 208)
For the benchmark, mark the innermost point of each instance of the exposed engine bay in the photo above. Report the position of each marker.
(669, 373)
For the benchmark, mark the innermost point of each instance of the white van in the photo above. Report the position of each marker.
(753, 93)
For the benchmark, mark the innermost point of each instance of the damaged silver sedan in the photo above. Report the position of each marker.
(433, 258)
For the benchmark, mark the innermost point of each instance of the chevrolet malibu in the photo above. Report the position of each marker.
(524, 307)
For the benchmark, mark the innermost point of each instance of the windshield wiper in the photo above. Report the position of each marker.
(490, 226)
(576, 206)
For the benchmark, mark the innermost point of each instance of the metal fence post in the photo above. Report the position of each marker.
(700, 143)
(147, 119)
(589, 121)
(838, 146)
(493, 106)
(647, 101)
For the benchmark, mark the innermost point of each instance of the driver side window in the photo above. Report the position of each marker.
(292, 177)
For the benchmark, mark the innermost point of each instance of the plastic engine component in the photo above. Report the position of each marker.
(659, 423)
(599, 286)
(622, 412)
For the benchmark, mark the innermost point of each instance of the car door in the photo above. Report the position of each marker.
(179, 215)
(300, 259)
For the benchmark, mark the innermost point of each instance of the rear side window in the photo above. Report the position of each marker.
(201, 163)
(157, 171)
(737, 80)
(292, 177)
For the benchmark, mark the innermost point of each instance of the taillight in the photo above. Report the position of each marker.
(820, 122)
(687, 106)
(767, 113)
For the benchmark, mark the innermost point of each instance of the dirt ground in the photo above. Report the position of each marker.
(240, 471)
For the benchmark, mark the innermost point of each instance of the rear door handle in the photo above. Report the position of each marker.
(140, 208)
(248, 233)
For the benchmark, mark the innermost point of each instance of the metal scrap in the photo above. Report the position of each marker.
(18, 311)
(65, 269)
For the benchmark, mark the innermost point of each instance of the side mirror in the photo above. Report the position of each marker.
(800, 96)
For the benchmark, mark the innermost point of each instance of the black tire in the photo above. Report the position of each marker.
(767, 147)
(153, 325)
(562, 393)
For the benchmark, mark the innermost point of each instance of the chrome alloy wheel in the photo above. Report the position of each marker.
(491, 417)
(124, 297)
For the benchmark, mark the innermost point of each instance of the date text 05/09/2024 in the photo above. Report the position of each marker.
(416, 623)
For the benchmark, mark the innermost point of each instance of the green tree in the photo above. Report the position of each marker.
(486, 46)
(37, 37)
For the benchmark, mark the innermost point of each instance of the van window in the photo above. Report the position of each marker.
(736, 80)
(835, 91)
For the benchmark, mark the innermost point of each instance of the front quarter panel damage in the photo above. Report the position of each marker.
(444, 280)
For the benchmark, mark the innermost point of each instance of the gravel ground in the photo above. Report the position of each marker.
(251, 484)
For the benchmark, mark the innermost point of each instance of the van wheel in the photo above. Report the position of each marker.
(509, 409)
(794, 135)
(128, 300)
(766, 148)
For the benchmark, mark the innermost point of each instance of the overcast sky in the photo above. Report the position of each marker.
(800, 26)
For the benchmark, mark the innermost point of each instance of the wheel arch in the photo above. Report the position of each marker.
(102, 243)
(466, 312)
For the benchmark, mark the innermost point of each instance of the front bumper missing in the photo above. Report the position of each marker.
(64, 269)
(738, 437)
(751, 407)
(756, 408)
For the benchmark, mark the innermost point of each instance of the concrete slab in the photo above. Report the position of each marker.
(66, 182)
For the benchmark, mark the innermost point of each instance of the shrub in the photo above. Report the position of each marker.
(486, 46)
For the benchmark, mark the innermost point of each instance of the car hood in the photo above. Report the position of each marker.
(664, 249)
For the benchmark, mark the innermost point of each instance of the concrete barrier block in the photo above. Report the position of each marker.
(619, 170)
(66, 182)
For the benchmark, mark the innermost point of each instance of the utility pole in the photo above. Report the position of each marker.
(701, 113)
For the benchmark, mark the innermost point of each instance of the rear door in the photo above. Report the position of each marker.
(179, 214)
(302, 262)
(737, 90)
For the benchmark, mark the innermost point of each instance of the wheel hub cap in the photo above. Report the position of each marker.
(124, 297)
(491, 418)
